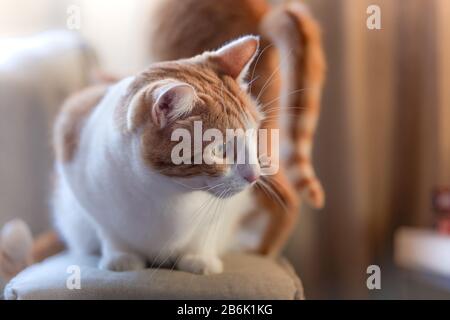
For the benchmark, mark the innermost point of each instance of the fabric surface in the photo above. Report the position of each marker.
(245, 277)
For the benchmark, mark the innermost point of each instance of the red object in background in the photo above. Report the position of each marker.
(443, 225)
(441, 200)
(441, 205)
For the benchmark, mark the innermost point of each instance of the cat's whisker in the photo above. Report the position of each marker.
(275, 113)
(197, 220)
(277, 117)
(289, 94)
(207, 188)
(283, 110)
(273, 194)
(214, 220)
(198, 217)
(221, 216)
(269, 80)
(212, 217)
(162, 170)
(274, 181)
(256, 64)
(251, 82)
(280, 116)
(195, 217)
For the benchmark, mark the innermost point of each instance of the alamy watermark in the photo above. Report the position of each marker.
(373, 21)
(237, 146)
(73, 17)
(374, 280)
(73, 281)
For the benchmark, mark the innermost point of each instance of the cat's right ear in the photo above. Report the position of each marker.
(235, 58)
(163, 102)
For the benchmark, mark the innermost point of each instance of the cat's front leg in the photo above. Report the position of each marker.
(121, 261)
(200, 264)
(116, 257)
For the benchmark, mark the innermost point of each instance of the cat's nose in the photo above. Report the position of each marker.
(250, 173)
(251, 177)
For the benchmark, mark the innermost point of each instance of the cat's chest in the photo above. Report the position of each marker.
(171, 221)
(180, 211)
(182, 220)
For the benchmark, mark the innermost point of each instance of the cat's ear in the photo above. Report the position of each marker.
(164, 101)
(235, 58)
(171, 101)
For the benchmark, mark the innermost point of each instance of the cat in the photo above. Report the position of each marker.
(118, 191)
(289, 29)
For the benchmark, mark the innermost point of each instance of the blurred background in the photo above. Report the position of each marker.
(382, 150)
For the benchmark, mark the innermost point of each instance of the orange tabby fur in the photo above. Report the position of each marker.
(70, 119)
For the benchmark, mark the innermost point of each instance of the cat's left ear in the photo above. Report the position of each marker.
(235, 58)
(171, 101)
(164, 101)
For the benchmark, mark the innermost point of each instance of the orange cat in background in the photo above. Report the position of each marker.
(285, 77)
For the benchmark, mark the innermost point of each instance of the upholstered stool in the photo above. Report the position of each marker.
(244, 277)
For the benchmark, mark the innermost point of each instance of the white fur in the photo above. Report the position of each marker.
(109, 200)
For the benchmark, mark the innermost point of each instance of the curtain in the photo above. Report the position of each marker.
(383, 140)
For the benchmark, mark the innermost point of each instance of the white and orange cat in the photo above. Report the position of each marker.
(117, 190)
(120, 191)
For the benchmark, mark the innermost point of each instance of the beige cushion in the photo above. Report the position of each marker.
(245, 277)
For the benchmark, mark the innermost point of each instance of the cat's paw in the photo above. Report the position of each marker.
(122, 262)
(200, 264)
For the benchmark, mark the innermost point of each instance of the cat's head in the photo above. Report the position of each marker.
(180, 103)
